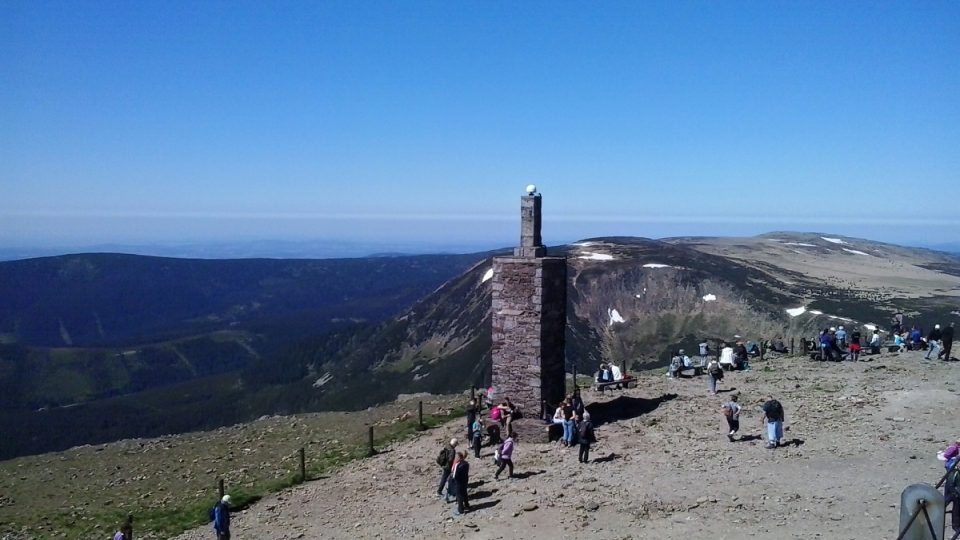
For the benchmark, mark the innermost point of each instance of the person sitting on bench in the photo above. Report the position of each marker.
(604, 375)
(779, 346)
(615, 372)
(676, 365)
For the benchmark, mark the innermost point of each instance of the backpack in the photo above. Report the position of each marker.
(442, 457)
(213, 512)
(714, 367)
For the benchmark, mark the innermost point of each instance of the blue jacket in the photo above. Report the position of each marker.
(221, 517)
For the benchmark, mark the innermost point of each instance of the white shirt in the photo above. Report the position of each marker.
(615, 371)
(726, 355)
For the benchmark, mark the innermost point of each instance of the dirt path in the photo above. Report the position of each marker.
(864, 432)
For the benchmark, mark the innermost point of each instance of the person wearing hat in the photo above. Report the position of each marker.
(933, 341)
(445, 461)
(221, 518)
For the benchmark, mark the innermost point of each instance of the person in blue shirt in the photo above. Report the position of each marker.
(221, 518)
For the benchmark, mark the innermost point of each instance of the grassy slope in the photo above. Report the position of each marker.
(167, 484)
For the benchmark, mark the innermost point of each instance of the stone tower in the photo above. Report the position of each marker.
(529, 322)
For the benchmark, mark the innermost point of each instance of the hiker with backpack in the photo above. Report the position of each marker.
(715, 374)
(773, 419)
(585, 436)
(731, 411)
(445, 460)
(221, 518)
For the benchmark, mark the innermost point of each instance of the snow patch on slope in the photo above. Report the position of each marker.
(615, 316)
(833, 240)
(596, 256)
(487, 276)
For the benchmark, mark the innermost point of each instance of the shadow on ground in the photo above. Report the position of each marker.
(528, 474)
(623, 408)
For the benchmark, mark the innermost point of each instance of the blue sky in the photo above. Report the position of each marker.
(227, 121)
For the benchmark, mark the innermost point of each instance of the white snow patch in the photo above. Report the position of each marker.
(327, 377)
(656, 265)
(797, 311)
(709, 298)
(856, 252)
(639, 295)
(833, 240)
(870, 326)
(487, 276)
(615, 316)
(801, 244)
(596, 256)
(816, 312)
(585, 244)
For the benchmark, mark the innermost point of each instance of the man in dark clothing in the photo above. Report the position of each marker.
(947, 342)
(773, 416)
(461, 480)
(586, 437)
(472, 411)
(933, 342)
(445, 461)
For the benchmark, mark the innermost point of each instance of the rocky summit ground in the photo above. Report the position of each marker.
(663, 468)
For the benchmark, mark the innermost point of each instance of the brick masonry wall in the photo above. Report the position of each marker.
(529, 322)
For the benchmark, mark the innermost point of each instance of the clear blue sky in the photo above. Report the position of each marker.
(161, 121)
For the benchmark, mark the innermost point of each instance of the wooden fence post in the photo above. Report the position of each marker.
(220, 488)
(791, 346)
(575, 386)
(371, 451)
(763, 348)
(303, 466)
(420, 426)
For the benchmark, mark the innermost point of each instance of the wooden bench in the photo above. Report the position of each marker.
(622, 383)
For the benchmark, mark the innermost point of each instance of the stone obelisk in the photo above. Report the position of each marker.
(529, 322)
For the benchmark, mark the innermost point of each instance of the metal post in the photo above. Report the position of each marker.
(371, 451)
(473, 393)
(420, 426)
(303, 466)
(763, 348)
(791, 346)
(220, 488)
(575, 386)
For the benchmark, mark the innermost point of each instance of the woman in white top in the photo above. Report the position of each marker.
(726, 357)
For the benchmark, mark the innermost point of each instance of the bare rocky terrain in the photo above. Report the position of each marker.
(663, 468)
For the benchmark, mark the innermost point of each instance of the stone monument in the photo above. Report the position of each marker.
(529, 323)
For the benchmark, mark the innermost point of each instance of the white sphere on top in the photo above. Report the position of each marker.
(531, 189)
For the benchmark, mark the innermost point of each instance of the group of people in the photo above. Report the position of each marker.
(577, 426)
(835, 344)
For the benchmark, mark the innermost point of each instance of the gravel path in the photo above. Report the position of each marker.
(863, 432)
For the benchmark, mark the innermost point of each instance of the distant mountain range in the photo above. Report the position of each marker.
(112, 346)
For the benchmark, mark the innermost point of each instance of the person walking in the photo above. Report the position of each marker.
(221, 518)
(506, 457)
(445, 461)
(855, 345)
(714, 374)
(947, 342)
(731, 411)
(933, 342)
(586, 436)
(461, 480)
(773, 419)
(477, 440)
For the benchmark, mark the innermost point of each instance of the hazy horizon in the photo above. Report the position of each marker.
(209, 122)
